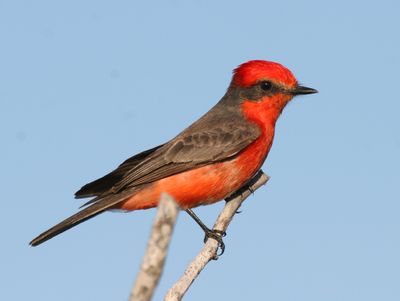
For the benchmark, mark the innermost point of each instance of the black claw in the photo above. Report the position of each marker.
(222, 246)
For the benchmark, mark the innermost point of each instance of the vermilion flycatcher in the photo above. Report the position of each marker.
(207, 162)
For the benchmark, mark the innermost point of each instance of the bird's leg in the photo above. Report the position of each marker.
(209, 233)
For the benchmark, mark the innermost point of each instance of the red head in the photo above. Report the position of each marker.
(267, 79)
(265, 89)
(252, 72)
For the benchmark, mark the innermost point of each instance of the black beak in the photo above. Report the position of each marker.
(301, 90)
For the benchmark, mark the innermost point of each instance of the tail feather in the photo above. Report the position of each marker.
(95, 209)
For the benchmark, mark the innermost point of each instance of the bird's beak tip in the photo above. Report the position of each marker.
(301, 90)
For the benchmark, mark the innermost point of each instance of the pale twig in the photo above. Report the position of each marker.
(157, 247)
(209, 251)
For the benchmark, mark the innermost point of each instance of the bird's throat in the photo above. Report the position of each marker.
(265, 112)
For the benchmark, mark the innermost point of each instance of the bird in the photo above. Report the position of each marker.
(208, 161)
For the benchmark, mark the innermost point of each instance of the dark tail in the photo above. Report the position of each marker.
(83, 215)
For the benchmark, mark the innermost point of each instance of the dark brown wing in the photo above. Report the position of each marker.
(192, 148)
(218, 135)
(105, 183)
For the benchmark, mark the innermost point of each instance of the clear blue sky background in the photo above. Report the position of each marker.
(86, 84)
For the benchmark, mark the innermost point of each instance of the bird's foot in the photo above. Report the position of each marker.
(217, 235)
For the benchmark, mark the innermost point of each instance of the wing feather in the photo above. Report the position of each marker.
(190, 150)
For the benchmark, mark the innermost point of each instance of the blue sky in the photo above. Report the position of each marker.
(86, 84)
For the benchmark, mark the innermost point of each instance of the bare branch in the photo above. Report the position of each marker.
(157, 246)
(209, 251)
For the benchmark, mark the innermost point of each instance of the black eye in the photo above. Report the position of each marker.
(266, 85)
